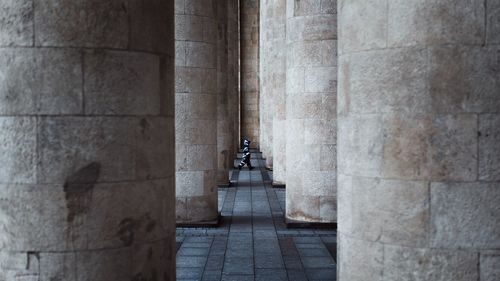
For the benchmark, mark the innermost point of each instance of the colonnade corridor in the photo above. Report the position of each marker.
(252, 242)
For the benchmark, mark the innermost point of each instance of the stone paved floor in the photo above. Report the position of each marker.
(253, 242)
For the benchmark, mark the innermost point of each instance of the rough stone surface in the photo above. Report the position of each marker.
(90, 23)
(16, 23)
(44, 81)
(417, 138)
(196, 107)
(489, 269)
(87, 133)
(426, 264)
(476, 228)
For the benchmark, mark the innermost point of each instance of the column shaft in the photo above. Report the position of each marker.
(87, 140)
(249, 28)
(419, 140)
(311, 111)
(196, 110)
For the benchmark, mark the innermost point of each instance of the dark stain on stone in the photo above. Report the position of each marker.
(126, 230)
(150, 253)
(128, 227)
(144, 125)
(78, 190)
(139, 277)
(150, 226)
(479, 134)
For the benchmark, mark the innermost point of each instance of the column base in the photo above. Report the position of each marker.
(304, 224)
(279, 185)
(224, 185)
(213, 223)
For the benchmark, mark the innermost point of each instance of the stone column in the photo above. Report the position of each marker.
(419, 140)
(272, 73)
(86, 133)
(233, 72)
(311, 111)
(273, 85)
(249, 28)
(227, 88)
(225, 154)
(196, 111)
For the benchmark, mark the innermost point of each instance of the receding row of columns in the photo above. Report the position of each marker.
(87, 132)
(206, 104)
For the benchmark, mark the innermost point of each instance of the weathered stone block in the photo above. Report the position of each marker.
(189, 183)
(389, 211)
(320, 132)
(89, 23)
(464, 79)
(428, 264)
(189, 28)
(430, 22)
(154, 260)
(117, 216)
(202, 208)
(58, 266)
(105, 265)
(361, 156)
(201, 8)
(321, 79)
(200, 54)
(16, 23)
(328, 207)
(493, 22)
(488, 265)
(385, 81)
(465, 215)
(15, 265)
(440, 148)
(312, 53)
(45, 81)
(319, 183)
(196, 106)
(362, 32)
(18, 151)
(359, 260)
(154, 32)
(122, 83)
(155, 148)
(301, 207)
(188, 157)
(295, 80)
(310, 28)
(489, 147)
(54, 213)
(195, 131)
(95, 148)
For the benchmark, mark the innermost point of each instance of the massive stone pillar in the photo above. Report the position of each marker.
(272, 77)
(196, 110)
(225, 152)
(233, 72)
(419, 140)
(227, 87)
(311, 111)
(273, 85)
(87, 141)
(249, 28)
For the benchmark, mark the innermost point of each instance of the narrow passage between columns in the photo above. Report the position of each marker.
(252, 242)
